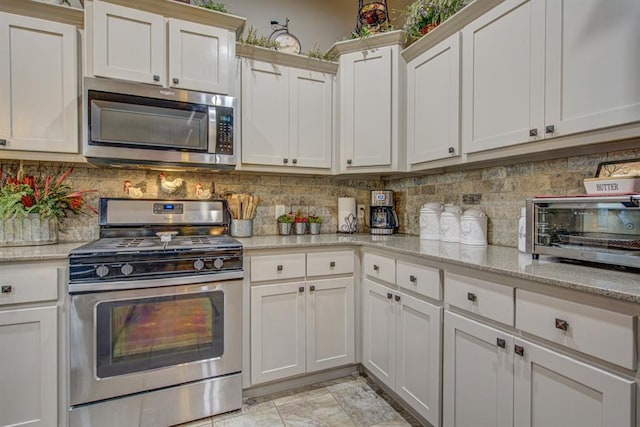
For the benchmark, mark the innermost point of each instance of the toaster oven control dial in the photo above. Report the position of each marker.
(218, 263)
(126, 269)
(102, 270)
(198, 264)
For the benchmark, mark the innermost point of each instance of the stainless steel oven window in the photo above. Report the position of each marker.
(141, 334)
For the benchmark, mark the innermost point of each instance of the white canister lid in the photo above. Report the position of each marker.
(473, 213)
(432, 206)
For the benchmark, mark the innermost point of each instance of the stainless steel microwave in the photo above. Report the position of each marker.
(133, 124)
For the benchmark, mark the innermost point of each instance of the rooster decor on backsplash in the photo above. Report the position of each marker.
(135, 191)
(176, 187)
(202, 193)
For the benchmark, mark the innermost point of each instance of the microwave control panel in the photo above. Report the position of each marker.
(224, 130)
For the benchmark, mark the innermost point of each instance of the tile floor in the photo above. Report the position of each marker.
(349, 401)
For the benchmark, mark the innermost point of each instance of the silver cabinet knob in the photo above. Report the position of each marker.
(561, 324)
(285, 160)
(519, 350)
(472, 297)
(533, 132)
(176, 81)
(279, 268)
(349, 161)
(389, 295)
(332, 264)
(397, 298)
(501, 343)
(156, 78)
(294, 161)
(301, 289)
(6, 289)
(452, 150)
(3, 142)
(413, 279)
(312, 288)
(550, 129)
(376, 268)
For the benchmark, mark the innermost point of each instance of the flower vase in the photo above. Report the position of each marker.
(314, 228)
(284, 228)
(301, 227)
(29, 231)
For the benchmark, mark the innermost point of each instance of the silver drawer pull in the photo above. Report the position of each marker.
(500, 342)
(389, 296)
(332, 264)
(279, 268)
(301, 289)
(6, 289)
(376, 268)
(519, 350)
(413, 279)
(561, 324)
(472, 297)
(312, 288)
(397, 298)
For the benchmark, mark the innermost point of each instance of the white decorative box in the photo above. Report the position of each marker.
(612, 185)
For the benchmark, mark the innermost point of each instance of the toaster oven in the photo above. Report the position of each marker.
(601, 229)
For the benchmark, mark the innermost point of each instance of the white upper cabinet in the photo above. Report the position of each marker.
(372, 126)
(199, 56)
(38, 85)
(128, 44)
(536, 69)
(265, 113)
(287, 117)
(503, 76)
(592, 66)
(433, 103)
(311, 126)
(137, 45)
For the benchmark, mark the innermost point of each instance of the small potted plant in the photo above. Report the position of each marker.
(422, 16)
(314, 224)
(301, 222)
(284, 224)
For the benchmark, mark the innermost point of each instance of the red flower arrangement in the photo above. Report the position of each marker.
(53, 198)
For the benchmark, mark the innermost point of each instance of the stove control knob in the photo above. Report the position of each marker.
(218, 263)
(198, 264)
(126, 269)
(102, 270)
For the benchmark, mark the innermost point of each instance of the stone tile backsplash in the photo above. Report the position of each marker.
(498, 191)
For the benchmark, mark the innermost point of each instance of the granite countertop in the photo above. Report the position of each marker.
(495, 259)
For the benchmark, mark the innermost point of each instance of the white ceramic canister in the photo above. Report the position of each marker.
(430, 221)
(450, 224)
(522, 230)
(473, 228)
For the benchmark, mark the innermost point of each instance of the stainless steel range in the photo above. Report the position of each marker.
(155, 316)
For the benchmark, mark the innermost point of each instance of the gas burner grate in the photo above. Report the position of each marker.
(132, 243)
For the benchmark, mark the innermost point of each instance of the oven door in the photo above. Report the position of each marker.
(129, 341)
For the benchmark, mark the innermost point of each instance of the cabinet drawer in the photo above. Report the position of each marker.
(380, 267)
(326, 263)
(601, 333)
(424, 280)
(480, 297)
(277, 267)
(24, 283)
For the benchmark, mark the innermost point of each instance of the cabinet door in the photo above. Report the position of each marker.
(330, 323)
(265, 113)
(311, 118)
(198, 57)
(379, 332)
(503, 76)
(366, 102)
(433, 103)
(478, 374)
(418, 355)
(592, 67)
(277, 331)
(555, 390)
(38, 85)
(128, 44)
(29, 370)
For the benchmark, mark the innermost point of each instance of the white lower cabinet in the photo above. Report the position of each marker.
(492, 378)
(401, 336)
(29, 345)
(300, 326)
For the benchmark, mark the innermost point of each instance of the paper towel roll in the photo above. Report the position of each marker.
(346, 214)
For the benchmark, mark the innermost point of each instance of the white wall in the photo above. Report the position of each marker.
(324, 21)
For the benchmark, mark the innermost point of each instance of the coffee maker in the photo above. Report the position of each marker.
(382, 215)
